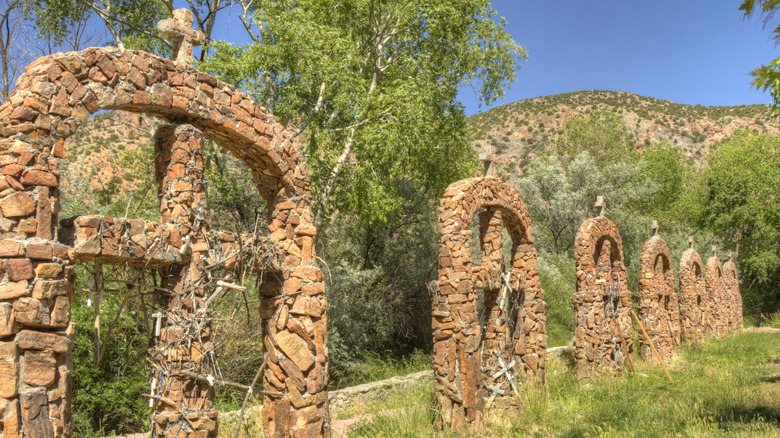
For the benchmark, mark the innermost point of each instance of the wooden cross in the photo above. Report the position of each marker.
(690, 242)
(486, 156)
(184, 36)
(600, 205)
(655, 228)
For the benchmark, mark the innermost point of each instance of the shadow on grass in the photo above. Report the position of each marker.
(748, 414)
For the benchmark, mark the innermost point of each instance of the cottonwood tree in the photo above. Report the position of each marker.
(372, 88)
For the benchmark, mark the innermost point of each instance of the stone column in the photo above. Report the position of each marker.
(36, 292)
(293, 309)
(184, 342)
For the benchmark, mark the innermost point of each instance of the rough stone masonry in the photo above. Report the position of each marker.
(657, 305)
(692, 297)
(602, 301)
(54, 96)
(478, 355)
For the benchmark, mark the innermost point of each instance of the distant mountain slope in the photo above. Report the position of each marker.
(517, 131)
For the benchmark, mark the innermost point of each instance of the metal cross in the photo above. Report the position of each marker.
(486, 156)
(600, 205)
(184, 36)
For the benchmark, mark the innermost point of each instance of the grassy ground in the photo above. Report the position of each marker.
(729, 387)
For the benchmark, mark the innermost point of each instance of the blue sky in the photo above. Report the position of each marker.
(689, 51)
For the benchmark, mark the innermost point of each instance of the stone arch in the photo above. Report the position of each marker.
(515, 341)
(692, 297)
(717, 311)
(52, 98)
(734, 296)
(602, 301)
(657, 305)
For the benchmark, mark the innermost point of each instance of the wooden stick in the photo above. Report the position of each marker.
(628, 357)
(652, 346)
(98, 300)
(205, 379)
(246, 399)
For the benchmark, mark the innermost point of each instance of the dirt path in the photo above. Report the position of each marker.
(339, 428)
(761, 330)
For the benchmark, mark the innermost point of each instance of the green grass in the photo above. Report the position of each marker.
(729, 387)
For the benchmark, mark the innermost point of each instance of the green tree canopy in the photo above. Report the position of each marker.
(372, 87)
(741, 202)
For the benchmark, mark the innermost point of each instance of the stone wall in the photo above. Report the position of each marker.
(602, 301)
(477, 357)
(52, 98)
(657, 306)
(692, 297)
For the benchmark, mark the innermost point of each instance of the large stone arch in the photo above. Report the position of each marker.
(53, 97)
(602, 301)
(717, 306)
(734, 297)
(475, 368)
(692, 297)
(657, 306)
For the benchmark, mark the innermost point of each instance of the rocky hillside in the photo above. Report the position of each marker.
(517, 131)
(96, 151)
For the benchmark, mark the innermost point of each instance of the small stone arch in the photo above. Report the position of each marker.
(717, 305)
(692, 297)
(52, 98)
(475, 367)
(734, 296)
(657, 305)
(602, 301)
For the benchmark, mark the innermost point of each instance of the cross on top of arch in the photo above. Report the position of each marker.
(184, 36)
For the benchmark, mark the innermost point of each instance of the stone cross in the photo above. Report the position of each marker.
(184, 36)
(655, 228)
(600, 205)
(714, 251)
(486, 156)
(690, 242)
(730, 255)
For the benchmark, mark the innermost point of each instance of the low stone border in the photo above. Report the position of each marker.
(341, 397)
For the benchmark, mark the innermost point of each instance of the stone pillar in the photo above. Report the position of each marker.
(692, 297)
(715, 297)
(293, 309)
(602, 302)
(657, 305)
(184, 342)
(36, 292)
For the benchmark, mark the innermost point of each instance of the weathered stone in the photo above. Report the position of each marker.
(33, 340)
(35, 414)
(39, 178)
(296, 349)
(9, 370)
(19, 269)
(39, 368)
(48, 289)
(13, 290)
(48, 270)
(17, 204)
(11, 248)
